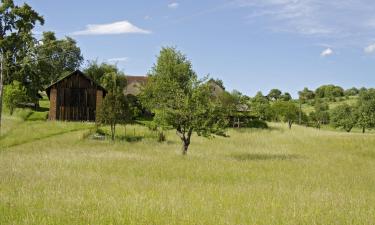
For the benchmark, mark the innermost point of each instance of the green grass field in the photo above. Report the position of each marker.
(51, 174)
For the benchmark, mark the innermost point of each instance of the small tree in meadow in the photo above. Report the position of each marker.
(180, 100)
(115, 108)
(287, 111)
(14, 94)
(344, 116)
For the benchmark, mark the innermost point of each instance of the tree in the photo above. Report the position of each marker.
(274, 94)
(180, 100)
(329, 91)
(16, 24)
(366, 109)
(351, 92)
(56, 58)
(320, 115)
(306, 94)
(287, 111)
(260, 107)
(115, 108)
(14, 94)
(97, 71)
(285, 97)
(344, 116)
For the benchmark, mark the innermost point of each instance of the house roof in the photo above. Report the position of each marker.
(132, 79)
(48, 89)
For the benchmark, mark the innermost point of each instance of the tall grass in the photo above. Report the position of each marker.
(50, 175)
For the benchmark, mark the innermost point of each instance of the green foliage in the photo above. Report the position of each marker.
(344, 116)
(306, 95)
(329, 91)
(114, 110)
(366, 109)
(14, 94)
(99, 72)
(180, 100)
(286, 97)
(320, 115)
(260, 107)
(55, 59)
(351, 92)
(274, 94)
(286, 111)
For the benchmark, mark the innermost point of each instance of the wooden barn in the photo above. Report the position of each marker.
(75, 97)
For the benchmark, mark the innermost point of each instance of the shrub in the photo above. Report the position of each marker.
(14, 94)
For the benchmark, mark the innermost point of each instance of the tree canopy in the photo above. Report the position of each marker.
(179, 99)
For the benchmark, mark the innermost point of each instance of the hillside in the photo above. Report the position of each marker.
(275, 176)
(308, 107)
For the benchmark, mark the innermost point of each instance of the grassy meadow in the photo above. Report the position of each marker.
(50, 173)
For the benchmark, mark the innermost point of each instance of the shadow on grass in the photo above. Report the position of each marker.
(263, 157)
(131, 138)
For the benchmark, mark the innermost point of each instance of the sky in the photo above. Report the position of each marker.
(252, 45)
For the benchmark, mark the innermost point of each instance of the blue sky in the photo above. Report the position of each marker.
(251, 45)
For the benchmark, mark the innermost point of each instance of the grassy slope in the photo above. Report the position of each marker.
(275, 176)
(307, 108)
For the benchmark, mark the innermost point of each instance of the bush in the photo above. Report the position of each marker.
(14, 94)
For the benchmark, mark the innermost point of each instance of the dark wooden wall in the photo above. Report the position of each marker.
(76, 99)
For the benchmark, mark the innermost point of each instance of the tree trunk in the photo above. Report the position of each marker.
(363, 130)
(1, 88)
(185, 147)
(113, 132)
(290, 124)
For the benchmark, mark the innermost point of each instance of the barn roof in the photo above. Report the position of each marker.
(48, 89)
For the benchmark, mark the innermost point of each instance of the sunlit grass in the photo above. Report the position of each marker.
(49, 174)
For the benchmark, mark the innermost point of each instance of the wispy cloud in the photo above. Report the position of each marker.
(370, 49)
(120, 27)
(322, 18)
(173, 5)
(120, 59)
(326, 52)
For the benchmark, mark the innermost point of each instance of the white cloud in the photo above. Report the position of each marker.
(370, 49)
(120, 59)
(327, 52)
(120, 27)
(173, 5)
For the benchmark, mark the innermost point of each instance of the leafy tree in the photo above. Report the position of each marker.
(344, 116)
(274, 94)
(56, 58)
(306, 94)
(320, 115)
(180, 100)
(16, 25)
(351, 92)
(366, 109)
(14, 94)
(260, 107)
(286, 97)
(287, 111)
(329, 91)
(115, 108)
(97, 71)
